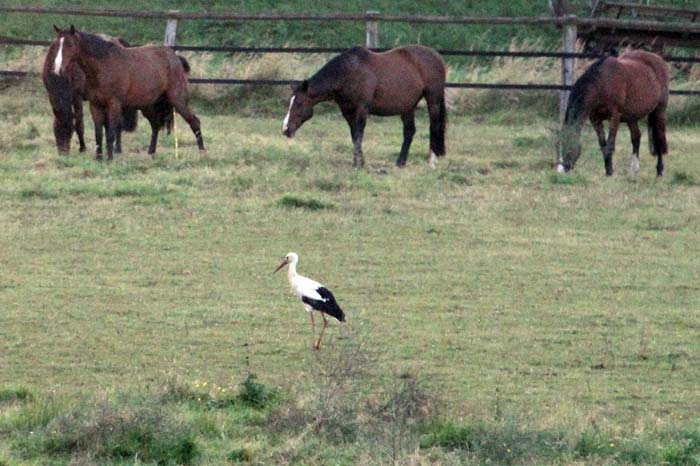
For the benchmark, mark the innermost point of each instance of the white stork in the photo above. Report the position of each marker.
(315, 296)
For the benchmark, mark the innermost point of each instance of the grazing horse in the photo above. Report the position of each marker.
(365, 83)
(620, 89)
(118, 77)
(66, 95)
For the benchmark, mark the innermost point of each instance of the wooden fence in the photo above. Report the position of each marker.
(569, 25)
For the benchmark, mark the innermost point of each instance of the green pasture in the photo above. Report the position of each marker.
(545, 319)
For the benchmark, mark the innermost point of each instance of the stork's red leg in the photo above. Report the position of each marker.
(313, 328)
(325, 324)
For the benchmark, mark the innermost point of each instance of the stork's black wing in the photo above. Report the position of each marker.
(328, 305)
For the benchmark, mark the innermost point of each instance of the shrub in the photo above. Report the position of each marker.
(449, 435)
(682, 452)
(255, 394)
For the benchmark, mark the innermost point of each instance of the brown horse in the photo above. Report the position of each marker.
(619, 89)
(66, 95)
(365, 83)
(118, 77)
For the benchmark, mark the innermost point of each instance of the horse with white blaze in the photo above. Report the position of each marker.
(315, 296)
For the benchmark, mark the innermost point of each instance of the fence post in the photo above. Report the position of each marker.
(171, 30)
(372, 28)
(567, 64)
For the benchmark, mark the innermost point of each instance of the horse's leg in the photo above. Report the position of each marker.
(357, 119)
(437, 111)
(114, 115)
(610, 145)
(79, 121)
(98, 118)
(660, 165)
(118, 138)
(153, 119)
(657, 137)
(357, 131)
(636, 136)
(600, 132)
(178, 99)
(409, 129)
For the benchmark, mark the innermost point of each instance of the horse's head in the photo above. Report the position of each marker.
(68, 42)
(63, 129)
(568, 149)
(301, 108)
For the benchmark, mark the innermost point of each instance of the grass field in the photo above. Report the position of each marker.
(532, 318)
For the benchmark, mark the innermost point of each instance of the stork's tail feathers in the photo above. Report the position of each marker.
(327, 304)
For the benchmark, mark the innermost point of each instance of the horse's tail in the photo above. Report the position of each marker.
(185, 64)
(437, 137)
(163, 114)
(130, 119)
(657, 132)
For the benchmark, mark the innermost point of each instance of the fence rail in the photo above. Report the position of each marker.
(567, 22)
(368, 16)
(287, 82)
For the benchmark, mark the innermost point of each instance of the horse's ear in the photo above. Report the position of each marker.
(304, 86)
(55, 28)
(72, 29)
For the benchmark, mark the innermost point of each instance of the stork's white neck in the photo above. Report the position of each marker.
(292, 270)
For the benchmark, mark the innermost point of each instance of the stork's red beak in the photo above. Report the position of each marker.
(284, 262)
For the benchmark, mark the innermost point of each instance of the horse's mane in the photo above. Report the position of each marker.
(575, 107)
(96, 45)
(327, 78)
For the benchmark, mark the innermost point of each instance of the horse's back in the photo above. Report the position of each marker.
(635, 83)
(401, 76)
(423, 60)
(640, 62)
(154, 70)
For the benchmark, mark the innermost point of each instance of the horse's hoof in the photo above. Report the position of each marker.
(432, 161)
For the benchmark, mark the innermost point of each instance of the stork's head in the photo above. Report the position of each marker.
(290, 258)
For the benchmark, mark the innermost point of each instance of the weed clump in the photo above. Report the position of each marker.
(684, 179)
(255, 394)
(298, 202)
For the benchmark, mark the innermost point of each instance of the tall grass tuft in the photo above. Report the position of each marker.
(15, 394)
(113, 432)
